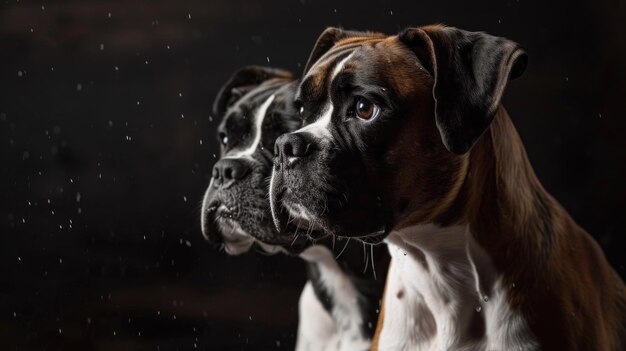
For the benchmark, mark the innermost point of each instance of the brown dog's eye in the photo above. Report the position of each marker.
(366, 109)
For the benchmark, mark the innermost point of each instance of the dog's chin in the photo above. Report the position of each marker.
(237, 241)
(317, 227)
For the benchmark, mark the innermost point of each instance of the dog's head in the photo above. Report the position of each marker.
(387, 125)
(255, 106)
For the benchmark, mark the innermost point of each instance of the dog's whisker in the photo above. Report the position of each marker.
(344, 249)
(367, 261)
(364, 252)
(295, 238)
(372, 257)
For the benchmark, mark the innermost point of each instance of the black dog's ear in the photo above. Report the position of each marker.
(327, 40)
(471, 70)
(244, 80)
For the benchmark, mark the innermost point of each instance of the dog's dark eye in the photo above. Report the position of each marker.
(223, 138)
(366, 109)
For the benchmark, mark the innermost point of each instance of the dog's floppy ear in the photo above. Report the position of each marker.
(471, 70)
(244, 80)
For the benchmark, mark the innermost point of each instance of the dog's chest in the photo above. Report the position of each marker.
(443, 294)
(331, 318)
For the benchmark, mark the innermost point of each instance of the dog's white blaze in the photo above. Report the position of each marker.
(259, 116)
(433, 291)
(320, 127)
(346, 319)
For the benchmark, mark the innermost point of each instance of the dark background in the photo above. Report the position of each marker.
(106, 143)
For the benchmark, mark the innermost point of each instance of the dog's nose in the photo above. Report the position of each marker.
(228, 170)
(290, 147)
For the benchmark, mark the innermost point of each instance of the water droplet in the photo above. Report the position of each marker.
(485, 298)
(478, 308)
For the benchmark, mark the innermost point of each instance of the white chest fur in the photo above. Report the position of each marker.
(339, 330)
(443, 293)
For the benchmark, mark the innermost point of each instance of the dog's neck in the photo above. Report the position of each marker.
(451, 273)
(342, 300)
(507, 210)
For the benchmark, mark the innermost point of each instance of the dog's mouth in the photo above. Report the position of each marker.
(292, 218)
(222, 226)
(328, 214)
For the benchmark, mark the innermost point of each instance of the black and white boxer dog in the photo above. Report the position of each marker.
(339, 305)
(405, 139)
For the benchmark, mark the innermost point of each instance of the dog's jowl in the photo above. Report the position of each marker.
(405, 139)
(339, 303)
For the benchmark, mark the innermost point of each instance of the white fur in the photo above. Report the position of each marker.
(320, 127)
(204, 208)
(439, 278)
(316, 328)
(259, 116)
(345, 320)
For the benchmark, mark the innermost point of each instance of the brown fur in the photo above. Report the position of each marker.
(555, 273)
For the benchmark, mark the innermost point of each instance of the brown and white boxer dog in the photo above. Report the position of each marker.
(405, 137)
(339, 305)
